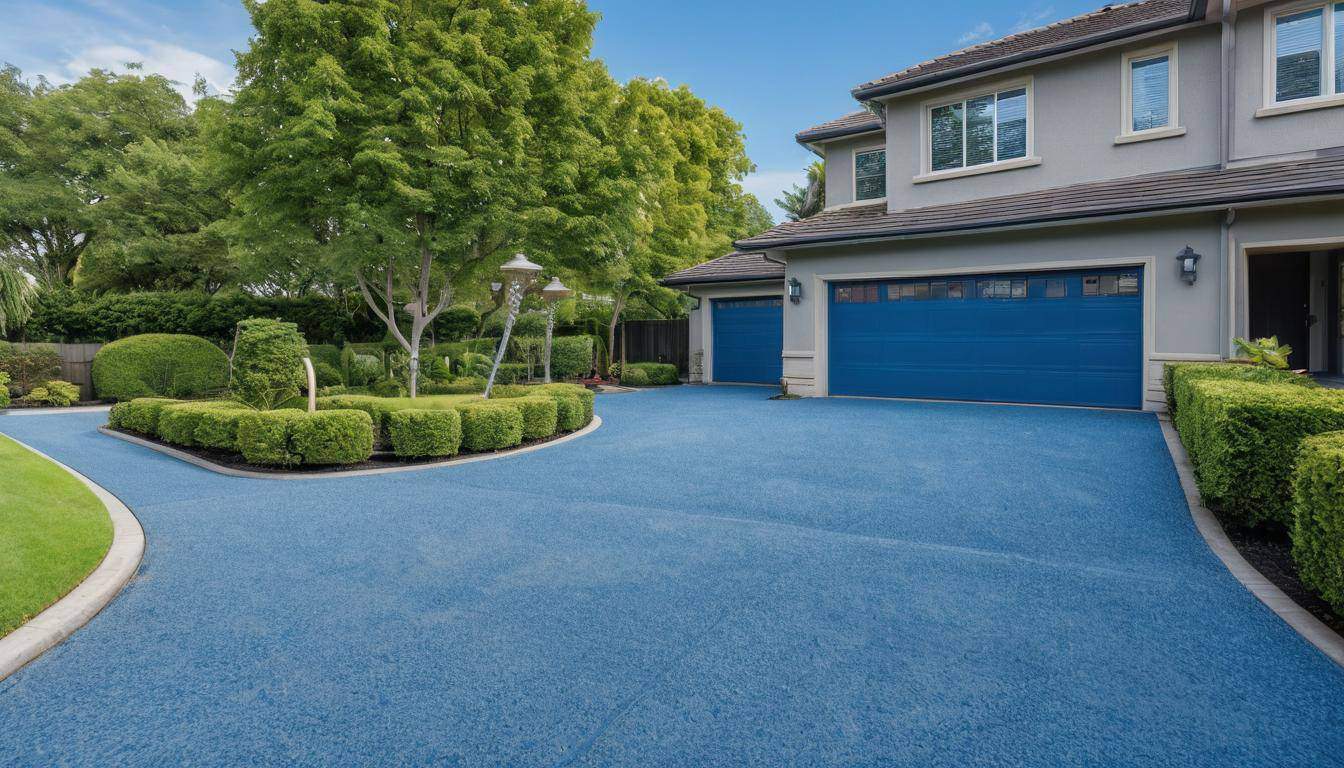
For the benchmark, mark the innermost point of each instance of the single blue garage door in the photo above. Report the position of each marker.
(1072, 338)
(748, 340)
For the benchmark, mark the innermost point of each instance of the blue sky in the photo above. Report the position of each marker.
(777, 66)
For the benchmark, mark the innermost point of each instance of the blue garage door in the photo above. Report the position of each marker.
(748, 340)
(1073, 338)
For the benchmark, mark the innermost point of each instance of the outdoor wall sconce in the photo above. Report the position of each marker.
(1187, 259)
(795, 290)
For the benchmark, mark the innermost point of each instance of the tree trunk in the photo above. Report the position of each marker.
(616, 306)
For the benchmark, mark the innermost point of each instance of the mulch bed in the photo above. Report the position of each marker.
(1269, 550)
(380, 459)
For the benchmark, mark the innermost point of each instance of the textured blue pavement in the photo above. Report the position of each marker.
(711, 578)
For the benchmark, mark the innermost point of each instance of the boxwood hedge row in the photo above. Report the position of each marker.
(1318, 516)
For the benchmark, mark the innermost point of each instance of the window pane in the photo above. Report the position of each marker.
(870, 293)
(1297, 55)
(980, 130)
(1019, 289)
(955, 290)
(1056, 288)
(921, 291)
(870, 175)
(1110, 285)
(945, 128)
(938, 290)
(893, 292)
(1149, 84)
(907, 290)
(841, 294)
(1339, 48)
(1129, 285)
(1090, 285)
(1012, 124)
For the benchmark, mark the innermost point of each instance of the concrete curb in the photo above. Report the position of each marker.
(1297, 617)
(53, 411)
(191, 458)
(62, 618)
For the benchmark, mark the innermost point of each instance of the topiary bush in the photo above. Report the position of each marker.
(584, 395)
(489, 426)
(267, 363)
(571, 356)
(1318, 516)
(1176, 375)
(333, 437)
(211, 424)
(540, 415)
(54, 393)
(159, 364)
(656, 373)
(574, 404)
(218, 427)
(634, 377)
(264, 437)
(139, 415)
(1244, 437)
(417, 432)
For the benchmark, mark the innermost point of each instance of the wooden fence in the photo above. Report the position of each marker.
(655, 341)
(76, 362)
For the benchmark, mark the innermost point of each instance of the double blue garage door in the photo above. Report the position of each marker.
(748, 340)
(1073, 338)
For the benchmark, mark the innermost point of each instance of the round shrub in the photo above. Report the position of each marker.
(490, 426)
(159, 364)
(333, 437)
(418, 432)
(264, 437)
(634, 377)
(268, 363)
(53, 393)
(539, 416)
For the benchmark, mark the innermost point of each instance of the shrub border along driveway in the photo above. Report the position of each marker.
(1294, 615)
(62, 618)
(204, 463)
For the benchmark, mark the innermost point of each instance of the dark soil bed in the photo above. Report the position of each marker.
(380, 459)
(1269, 550)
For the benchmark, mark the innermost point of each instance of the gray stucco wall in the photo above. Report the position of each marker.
(1077, 117)
(1277, 134)
(1183, 321)
(840, 167)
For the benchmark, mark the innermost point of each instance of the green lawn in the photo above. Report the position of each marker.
(53, 533)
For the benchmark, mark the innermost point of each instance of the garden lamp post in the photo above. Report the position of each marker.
(518, 274)
(552, 293)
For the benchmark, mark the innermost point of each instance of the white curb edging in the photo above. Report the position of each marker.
(62, 618)
(193, 459)
(1297, 617)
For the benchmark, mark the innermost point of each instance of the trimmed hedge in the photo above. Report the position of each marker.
(490, 426)
(159, 365)
(332, 437)
(571, 356)
(1176, 375)
(1318, 516)
(510, 373)
(186, 423)
(263, 437)
(657, 374)
(417, 432)
(462, 385)
(1244, 437)
(139, 415)
(540, 416)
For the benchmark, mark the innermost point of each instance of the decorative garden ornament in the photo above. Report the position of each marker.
(552, 293)
(518, 275)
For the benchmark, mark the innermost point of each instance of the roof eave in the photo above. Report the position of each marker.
(880, 91)
(806, 138)
(688, 281)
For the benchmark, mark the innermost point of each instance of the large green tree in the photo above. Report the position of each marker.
(58, 148)
(415, 143)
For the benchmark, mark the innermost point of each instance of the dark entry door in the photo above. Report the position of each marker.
(1280, 288)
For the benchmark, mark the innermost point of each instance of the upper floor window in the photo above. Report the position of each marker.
(1306, 42)
(1151, 88)
(870, 174)
(979, 130)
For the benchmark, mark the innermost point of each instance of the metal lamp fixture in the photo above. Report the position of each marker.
(1188, 261)
(552, 293)
(518, 274)
(795, 290)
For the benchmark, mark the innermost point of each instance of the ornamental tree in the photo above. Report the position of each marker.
(414, 145)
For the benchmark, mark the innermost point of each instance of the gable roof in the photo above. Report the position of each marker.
(1111, 22)
(734, 267)
(1152, 193)
(852, 124)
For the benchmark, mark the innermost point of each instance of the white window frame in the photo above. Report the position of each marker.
(1173, 127)
(854, 174)
(927, 174)
(1328, 97)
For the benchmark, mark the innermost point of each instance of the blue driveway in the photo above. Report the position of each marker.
(709, 579)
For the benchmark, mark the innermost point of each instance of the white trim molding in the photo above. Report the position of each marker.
(927, 173)
(1329, 96)
(1173, 127)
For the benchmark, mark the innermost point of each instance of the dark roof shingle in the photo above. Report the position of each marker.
(1152, 193)
(1110, 22)
(734, 267)
(852, 124)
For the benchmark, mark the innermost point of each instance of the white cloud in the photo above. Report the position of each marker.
(174, 62)
(982, 31)
(769, 184)
(1034, 18)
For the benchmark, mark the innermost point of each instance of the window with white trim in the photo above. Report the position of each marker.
(1305, 53)
(1151, 87)
(870, 174)
(981, 130)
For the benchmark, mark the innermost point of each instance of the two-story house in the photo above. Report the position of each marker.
(1050, 216)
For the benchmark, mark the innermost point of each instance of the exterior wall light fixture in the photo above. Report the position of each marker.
(1188, 259)
(795, 290)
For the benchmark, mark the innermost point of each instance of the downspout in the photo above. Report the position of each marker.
(1228, 96)
(1227, 281)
